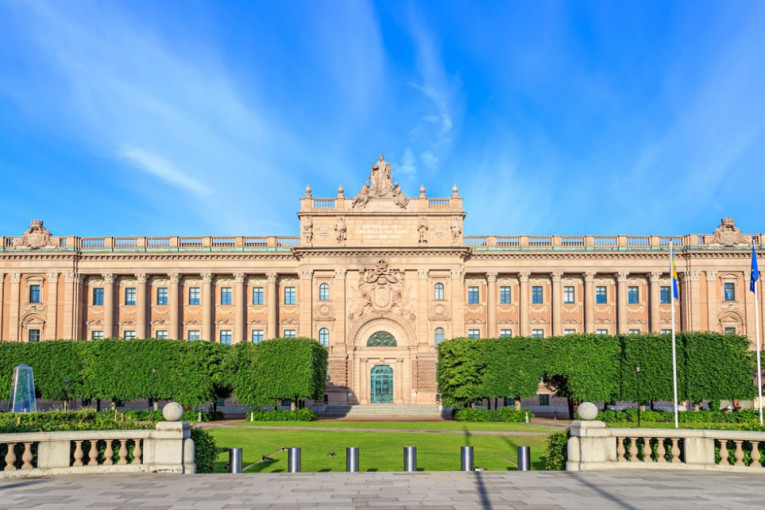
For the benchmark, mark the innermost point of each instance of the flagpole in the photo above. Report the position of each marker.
(674, 348)
(757, 328)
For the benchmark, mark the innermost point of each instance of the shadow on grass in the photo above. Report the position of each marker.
(480, 485)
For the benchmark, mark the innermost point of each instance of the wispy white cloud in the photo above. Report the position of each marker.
(162, 168)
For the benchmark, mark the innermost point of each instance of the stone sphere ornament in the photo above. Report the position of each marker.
(173, 411)
(587, 411)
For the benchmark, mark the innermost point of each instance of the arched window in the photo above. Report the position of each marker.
(438, 292)
(324, 292)
(324, 336)
(439, 336)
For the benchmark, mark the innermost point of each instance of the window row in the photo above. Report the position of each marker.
(569, 296)
(194, 295)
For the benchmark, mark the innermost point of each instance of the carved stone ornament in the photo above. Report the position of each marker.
(727, 234)
(380, 185)
(35, 237)
(381, 290)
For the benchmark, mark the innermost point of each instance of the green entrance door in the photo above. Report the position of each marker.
(382, 384)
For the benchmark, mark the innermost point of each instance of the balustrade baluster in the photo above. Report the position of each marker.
(647, 450)
(109, 453)
(137, 452)
(633, 449)
(675, 450)
(620, 449)
(93, 453)
(27, 457)
(78, 454)
(123, 452)
(661, 452)
(739, 454)
(10, 458)
(724, 453)
(755, 455)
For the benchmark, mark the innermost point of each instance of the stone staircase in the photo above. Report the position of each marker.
(384, 411)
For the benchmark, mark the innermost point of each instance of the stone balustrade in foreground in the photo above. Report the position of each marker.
(594, 446)
(166, 449)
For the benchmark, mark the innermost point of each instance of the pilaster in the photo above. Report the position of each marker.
(557, 328)
(491, 298)
(141, 299)
(458, 304)
(305, 304)
(174, 303)
(52, 306)
(70, 280)
(655, 290)
(589, 301)
(423, 297)
(523, 303)
(208, 298)
(272, 302)
(13, 319)
(240, 307)
(108, 305)
(712, 301)
(339, 298)
(2, 304)
(621, 301)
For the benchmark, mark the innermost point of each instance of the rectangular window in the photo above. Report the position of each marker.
(130, 295)
(569, 332)
(474, 333)
(98, 296)
(34, 294)
(664, 295)
(568, 294)
(473, 296)
(34, 335)
(509, 401)
(97, 335)
(600, 295)
(225, 295)
(544, 400)
(730, 331)
(129, 334)
(634, 332)
(194, 295)
(161, 334)
(633, 297)
(730, 291)
(536, 295)
(666, 331)
(257, 295)
(601, 331)
(505, 333)
(257, 336)
(289, 295)
(537, 333)
(225, 336)
(193, 335)
(504, 295)
(162, 295)
(289, 333)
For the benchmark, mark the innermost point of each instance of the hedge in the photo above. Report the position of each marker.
(557, 451)
(599, 368)
(279, 415)
(504, 414)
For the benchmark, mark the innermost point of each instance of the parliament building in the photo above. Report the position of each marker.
(379, 278)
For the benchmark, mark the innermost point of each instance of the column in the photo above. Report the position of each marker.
(52, 302)
(523, 303)
(589, 302)
(693, 300)
(175, 304)
(140, 301)
(273, 301)
(2, 303)
(109, 305)
(491, 298)
(337, 340)
(655, 291)
(458, 304)
(240, 313)
(305, 303)
(13, 319)
(557, 321)
(712, 301)
(70, 279)
(208, 298)
(621, 302)
(423, 297)
(79, 308)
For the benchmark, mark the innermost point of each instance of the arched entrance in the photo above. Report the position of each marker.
(381, 384)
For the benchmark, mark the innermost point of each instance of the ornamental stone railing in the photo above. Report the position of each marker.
(166, 449)
(593, 446)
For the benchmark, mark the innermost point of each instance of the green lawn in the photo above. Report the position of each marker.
(377, 452)
(419, 425)
(671, 425)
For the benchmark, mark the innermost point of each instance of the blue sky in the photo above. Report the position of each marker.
(183, 117)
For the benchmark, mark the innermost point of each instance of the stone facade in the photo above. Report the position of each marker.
(380, 262)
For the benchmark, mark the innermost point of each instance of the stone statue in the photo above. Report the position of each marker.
(398, 197)
(308, 229)
(36, 236)
(456, 231)
(340, 229)
(363, 197)
(422, 228)
(380, 177)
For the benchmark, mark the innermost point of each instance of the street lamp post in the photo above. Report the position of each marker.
(637, 371)
(151, 399)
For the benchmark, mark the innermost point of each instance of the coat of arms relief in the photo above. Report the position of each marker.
(727, 234)
(37, 236)
(380, 291)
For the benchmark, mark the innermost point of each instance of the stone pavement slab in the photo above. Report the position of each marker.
(628, 490)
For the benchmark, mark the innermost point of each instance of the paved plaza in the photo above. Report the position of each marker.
(443, 490)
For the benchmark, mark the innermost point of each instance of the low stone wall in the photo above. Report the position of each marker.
(594, 446)
(166, 449)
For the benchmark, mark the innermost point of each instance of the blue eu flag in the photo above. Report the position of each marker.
(755, 271)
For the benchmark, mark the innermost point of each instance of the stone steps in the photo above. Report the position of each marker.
(382, 410)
